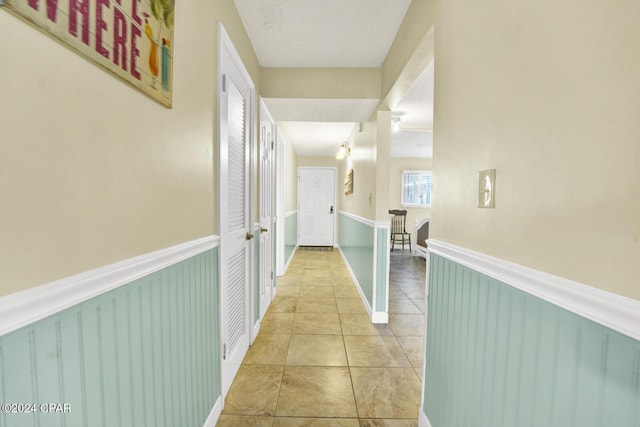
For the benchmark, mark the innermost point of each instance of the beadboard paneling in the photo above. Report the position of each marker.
(497, 356)
(143, 354)
(356, 242)
(290, 235)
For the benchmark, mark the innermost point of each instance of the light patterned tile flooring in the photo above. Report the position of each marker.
(319, 361)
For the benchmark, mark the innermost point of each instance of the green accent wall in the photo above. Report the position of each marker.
(290, 236)
(144, 354)
(497, 356)
(356, 242)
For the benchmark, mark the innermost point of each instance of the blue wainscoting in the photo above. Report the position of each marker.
(356, 240)
(144, 354)
(497, 356)
(290, 235)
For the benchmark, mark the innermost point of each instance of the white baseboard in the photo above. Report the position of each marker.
(256, 330)
(380, 317)
(293, 252)
(28, 306)
(608, 309)
(423, 421)
(419, 251)
(214, 415)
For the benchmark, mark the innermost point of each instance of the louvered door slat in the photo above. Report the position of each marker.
(236, 158)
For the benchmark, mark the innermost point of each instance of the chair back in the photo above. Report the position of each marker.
(398, 221)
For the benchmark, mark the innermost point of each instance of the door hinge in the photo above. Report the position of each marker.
(224, 352)
(224, 82)
(272, 275)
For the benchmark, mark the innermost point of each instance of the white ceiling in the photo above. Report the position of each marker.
(336, 33)
(321, 110)
(327, 33)
(415, 109)
(317, 139)
(411, 143)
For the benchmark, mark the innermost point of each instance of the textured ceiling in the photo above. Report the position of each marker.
(321, 110)
(411, 144)
(325, 33)
(316, 139)
(317, 127)
(415, 111)
(336, 33)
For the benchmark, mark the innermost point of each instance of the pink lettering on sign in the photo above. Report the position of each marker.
(52, 8)
(101, 25)
(76, 6)
(119, 38)
(135, 52)
(134, 11)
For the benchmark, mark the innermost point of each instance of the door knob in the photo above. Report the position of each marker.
(264, 230)
(249, 236)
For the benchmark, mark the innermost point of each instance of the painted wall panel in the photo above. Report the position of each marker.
(290, 235)
(356, 242)
(146, 353)
(545, 216)
(496, 356)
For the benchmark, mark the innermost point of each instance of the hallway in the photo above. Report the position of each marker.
(318, 360)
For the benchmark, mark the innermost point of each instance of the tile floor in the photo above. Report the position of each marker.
(318, 360)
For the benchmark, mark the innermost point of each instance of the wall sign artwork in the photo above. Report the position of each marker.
(348, 183)
(132, 39)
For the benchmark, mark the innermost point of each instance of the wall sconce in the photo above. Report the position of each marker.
(395, 124)
(344, 150)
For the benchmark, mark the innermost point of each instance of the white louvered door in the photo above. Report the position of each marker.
(235, 214)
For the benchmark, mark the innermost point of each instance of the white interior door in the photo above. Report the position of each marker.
(317, 206)
(235, 100)
(267, 145)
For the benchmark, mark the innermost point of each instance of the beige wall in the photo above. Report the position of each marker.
(321, 83)
(417, 22)
(93, 171)
(363, 161)
(290, 177)
(548, 94)
(396, 166)
(319, 162)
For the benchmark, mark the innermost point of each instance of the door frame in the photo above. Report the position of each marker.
(265, 117)
(335, 199)
(226, 47)
(280, 165)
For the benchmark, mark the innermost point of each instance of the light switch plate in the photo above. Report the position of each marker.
(487, 188)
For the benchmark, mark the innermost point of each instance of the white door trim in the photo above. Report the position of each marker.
(280, 163)
(266, 275)
(232, 60)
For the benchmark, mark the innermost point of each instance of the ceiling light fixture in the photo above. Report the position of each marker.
(344, 150)
(395, 124)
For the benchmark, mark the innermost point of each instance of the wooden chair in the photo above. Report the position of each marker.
(398, 228)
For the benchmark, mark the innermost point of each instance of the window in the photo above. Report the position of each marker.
(416, 188)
